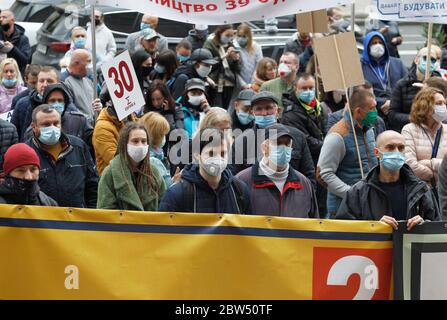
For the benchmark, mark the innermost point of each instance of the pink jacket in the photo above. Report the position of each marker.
(418, 150)
(6, 96)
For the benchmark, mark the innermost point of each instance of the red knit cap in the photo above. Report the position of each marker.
(19, 155)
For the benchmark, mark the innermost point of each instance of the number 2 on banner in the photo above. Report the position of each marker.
(122, 78)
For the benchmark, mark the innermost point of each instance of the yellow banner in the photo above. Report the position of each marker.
(59, 253)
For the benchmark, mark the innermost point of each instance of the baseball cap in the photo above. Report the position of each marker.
(276, 131)
(195, 83)
(203, 55)
(149, 34)
(245, 96)
(264, 95)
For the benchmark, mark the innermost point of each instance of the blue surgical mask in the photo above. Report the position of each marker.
(50, 135)
(158, 154)
(59, 106)
(9, 83)
(307, 96)
(79, 43)
(183, 59)
(225, 40)
(423, 66)
(280, 155)
(245, 118)
(242, 41)
(145, 26)
(159, 69)
(163, 142)
(265, 121)
(392, 161)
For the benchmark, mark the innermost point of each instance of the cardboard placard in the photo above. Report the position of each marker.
(123, 85)
(312, 22)
(339, 61)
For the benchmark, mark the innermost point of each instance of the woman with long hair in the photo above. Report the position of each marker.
(131, 182)
(266, 70)
(11, 83)
(251, 53)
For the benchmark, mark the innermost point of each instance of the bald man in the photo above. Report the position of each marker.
(13, 41)
(133, 42)
(80, 86)
(391, 192)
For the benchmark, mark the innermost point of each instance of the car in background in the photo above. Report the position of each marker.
(31, 14)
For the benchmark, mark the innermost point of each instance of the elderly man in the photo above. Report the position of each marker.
(391, 192)
(133, 42)
(13, 41)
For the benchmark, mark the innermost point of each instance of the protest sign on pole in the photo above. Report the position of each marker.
(429, 39)
(122, 82)
(93, 35)
(218, 12)
(340, 69)
(431, 11)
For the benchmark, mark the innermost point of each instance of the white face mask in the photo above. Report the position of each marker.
(377, 50)
(195, 100)
(215, 166)
(440, 113)
(284, 70)
(204, 71)
(137, 153)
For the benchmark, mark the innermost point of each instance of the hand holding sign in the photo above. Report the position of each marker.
(123, 85)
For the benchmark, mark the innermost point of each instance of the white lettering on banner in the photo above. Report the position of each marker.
(217, 12)
(123, 85)
(363, 266)
(6, 116)
(434, 11)
(72, 280)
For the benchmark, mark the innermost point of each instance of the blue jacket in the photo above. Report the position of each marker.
(383, 74)
(223, 200)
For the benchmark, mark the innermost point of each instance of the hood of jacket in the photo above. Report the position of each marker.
(57, 87)
(366, 57)
(191, 173)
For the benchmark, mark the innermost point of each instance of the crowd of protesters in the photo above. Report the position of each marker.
(224, 129)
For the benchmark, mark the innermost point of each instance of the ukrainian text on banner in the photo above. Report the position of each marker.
(216, 12)
(420, 260)
(57, 253)
(434, 11)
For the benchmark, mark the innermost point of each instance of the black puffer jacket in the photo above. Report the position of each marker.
(367, 201)
(21, 51)
(402, 99)
(311, 125)
(9, 195)
(8, 137)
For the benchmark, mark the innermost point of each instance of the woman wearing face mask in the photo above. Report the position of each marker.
(208, 186)
(194, 105)
(277, 188)
(266, 70)
(11, 83)
(131, 182)
(425, 136)
(143, 64)
(165, 67)
(251, 53)
(225, 72)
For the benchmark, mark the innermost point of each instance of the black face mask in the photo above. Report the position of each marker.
(145, 71)
(5, 27)
(98, 22)
(20, 186)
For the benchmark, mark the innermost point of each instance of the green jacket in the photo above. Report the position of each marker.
(117, 189)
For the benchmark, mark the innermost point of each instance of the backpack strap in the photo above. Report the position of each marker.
(189, 196)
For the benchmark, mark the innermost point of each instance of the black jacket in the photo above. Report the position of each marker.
(72, 180)
(8, 195)
(195, 41)
(174, 118)
(8, 137)
(181, 75)
(21, 116)
(366, 201)
(312, 126)
(246, 152)
(22, 50)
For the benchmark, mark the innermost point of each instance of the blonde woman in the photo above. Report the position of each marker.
(425, 135)
(251, 53)
(11, 83)
(158, 128)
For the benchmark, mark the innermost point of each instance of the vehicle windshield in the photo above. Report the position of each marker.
(20, 10)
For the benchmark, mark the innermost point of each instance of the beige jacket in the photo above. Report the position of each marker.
(418, 150)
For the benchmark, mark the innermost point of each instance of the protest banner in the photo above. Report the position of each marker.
(218, 12)
(122, 82)
(431, 11)
(6, 116)
(420, 261)
(60, 253)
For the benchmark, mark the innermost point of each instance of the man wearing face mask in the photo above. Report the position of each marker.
(391, 192)
(277, 188)
(21, 169)
(285, 84)
(242, 115)
(208, 185)
(247, 146)
(407, 88)
(133, 42)
(381, 70)
(68, 173)
(200, 67)
(339, 162)
(105, 42)
(13, 41)
(197, 36)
